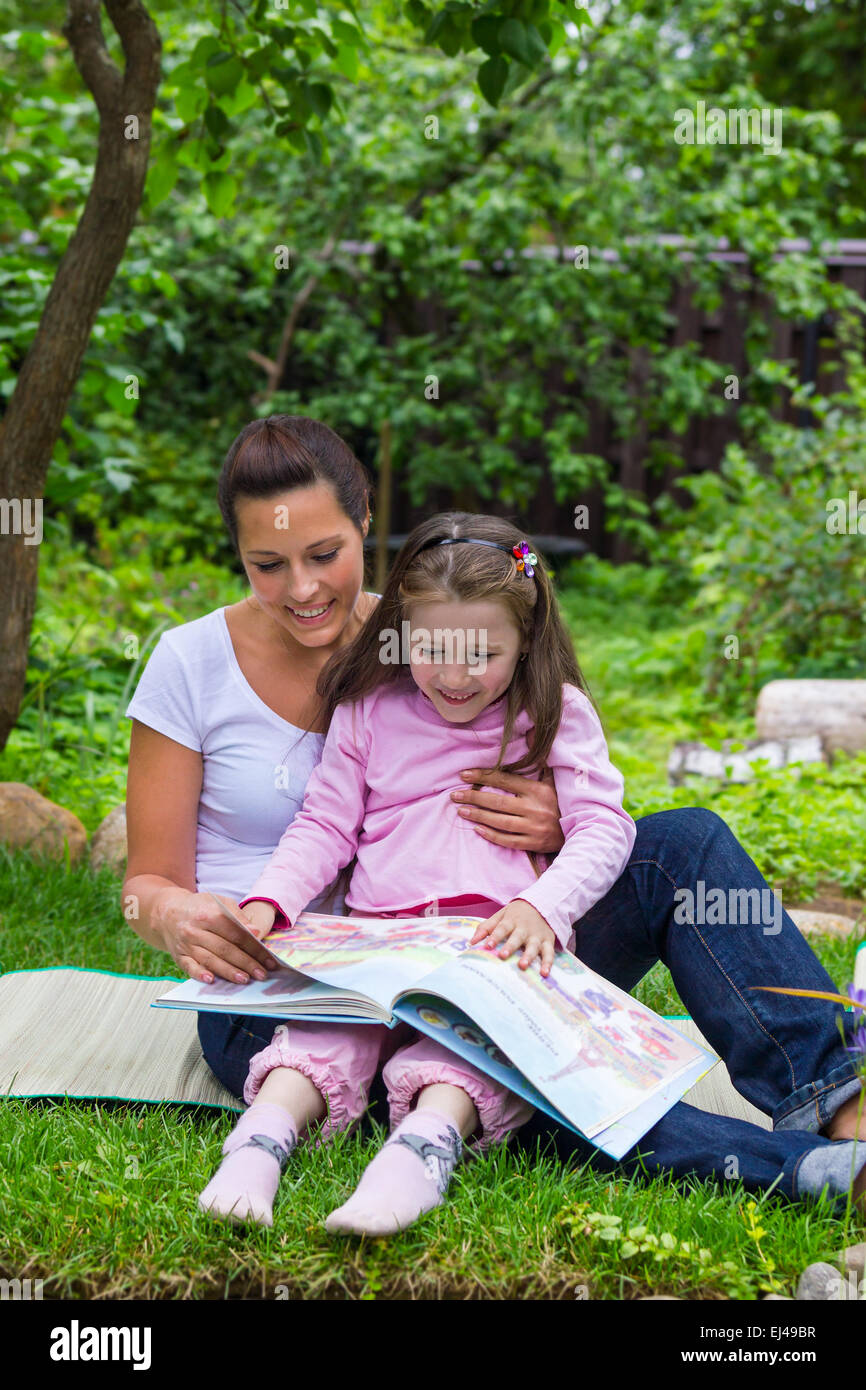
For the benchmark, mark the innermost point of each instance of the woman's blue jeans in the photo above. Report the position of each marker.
(784, 1053)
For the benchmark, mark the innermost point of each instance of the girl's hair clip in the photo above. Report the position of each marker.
(525, 558)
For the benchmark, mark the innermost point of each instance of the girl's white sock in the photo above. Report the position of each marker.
(408, 1177)
(257, 1150)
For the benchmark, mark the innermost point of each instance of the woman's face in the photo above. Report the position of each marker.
(304, 559)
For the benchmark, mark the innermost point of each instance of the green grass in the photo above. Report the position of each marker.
(99, 1199)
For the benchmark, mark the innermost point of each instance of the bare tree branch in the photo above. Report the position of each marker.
(100, 73)
(276, 367)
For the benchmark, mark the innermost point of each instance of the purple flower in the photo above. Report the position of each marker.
(857, 1045)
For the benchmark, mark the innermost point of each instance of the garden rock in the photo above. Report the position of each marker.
(833, 710)
(821, 1283)
(32, 822)
(108, 847)
(854, 1258)
(828, 923)
(699, 760)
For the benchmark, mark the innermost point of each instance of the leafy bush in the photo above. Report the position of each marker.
(780, 583)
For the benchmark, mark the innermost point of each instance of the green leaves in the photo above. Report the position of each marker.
(492, 77)
(161, 176)
(458, 27)
(220, 190)
(521, 42)
(190, 100)
(347, 61)
(485, 32)
(223, 72)
(319, 96)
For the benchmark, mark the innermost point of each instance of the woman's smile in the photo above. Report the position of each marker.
(312, 615)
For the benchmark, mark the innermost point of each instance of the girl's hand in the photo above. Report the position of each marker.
(206, 943)
(523, 926)
(260, 916)
(528, 819)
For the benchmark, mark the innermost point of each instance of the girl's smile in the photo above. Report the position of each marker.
(458, 699)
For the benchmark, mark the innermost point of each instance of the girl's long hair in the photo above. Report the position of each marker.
(466, 574)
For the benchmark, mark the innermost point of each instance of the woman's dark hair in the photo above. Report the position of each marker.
(467, 573)
(280, 452)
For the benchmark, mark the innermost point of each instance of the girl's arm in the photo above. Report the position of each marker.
(323, 837)
(599, 833)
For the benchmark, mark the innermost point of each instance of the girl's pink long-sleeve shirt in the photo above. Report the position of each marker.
(383, 791)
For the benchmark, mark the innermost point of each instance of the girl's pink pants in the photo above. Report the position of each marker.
(341, 1060)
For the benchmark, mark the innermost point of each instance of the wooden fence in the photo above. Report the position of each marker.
(720, 336)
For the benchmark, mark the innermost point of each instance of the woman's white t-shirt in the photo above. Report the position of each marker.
(255, 765)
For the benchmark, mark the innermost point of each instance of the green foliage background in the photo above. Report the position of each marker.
(286, 128)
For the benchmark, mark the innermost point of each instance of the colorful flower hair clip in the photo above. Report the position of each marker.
(525, 558)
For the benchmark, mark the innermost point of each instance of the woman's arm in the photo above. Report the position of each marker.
(163, 789)
(528, 819)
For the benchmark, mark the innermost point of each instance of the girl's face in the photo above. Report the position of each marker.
(462, 656)
(304, 559)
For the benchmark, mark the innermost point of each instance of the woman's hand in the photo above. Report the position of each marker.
(528, 819)
(522, 925)
(204, 942)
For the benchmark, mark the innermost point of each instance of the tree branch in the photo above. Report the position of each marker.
(261, 361)
(100, 73)
(276, 367)
(141, 49)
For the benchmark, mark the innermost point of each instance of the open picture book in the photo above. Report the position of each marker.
(573, 1044)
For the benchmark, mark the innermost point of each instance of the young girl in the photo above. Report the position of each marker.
(465, 657)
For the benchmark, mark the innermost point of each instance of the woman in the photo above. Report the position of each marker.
(226, 731)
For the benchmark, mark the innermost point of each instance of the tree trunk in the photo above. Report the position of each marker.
(32, 422)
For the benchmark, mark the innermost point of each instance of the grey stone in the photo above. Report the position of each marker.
(834, 710)
(109, 842)
(854, 1257)
(824, 923)
(821, 1283)
(699, 760)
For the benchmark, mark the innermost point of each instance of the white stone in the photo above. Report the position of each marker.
(835, 710)
(821, 1283)
(109, 842)
(697, 759)
(824, 923)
